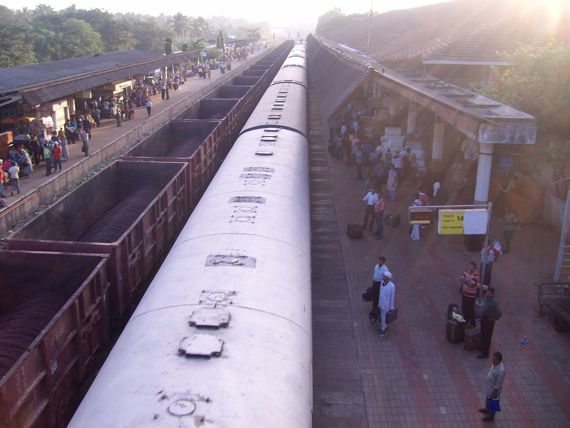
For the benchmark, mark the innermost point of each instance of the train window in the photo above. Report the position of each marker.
(259, 169)
(277, 109)
(230, 260)
(272, 130)
(274, 116)
(247, 199)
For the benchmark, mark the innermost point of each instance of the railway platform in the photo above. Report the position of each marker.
(109, 133)
(413, 377)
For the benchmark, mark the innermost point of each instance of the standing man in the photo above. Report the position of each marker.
(386, 300)
(469, 282)
(511, 222)
(14, 173)
(148, 106)
(377, 278)
(493, 386)
(371, 198)
(488, 257)
(379, 216)
(490, 313)
(48, 156)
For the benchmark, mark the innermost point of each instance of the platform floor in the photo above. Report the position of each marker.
(413, 377)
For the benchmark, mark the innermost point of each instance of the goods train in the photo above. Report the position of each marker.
(222, 337)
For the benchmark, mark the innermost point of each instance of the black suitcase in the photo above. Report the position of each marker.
(455, 331)
(393, 220)
(355, 231)
(472, 339)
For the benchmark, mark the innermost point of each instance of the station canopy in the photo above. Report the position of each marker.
(40, 83)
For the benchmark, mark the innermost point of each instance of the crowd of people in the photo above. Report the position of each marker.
(384, 173)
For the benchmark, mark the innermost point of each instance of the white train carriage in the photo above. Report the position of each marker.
(223, 337)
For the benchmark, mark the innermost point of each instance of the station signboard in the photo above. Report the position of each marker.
(420, 215)
(463, 221)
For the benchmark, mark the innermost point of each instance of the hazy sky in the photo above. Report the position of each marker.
(277, 13)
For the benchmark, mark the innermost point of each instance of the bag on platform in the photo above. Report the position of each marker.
(495, 405)
(391, 316)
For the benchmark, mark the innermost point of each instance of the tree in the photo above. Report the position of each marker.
(220, 41)
(538, 82)
(15, 45)
(180, 24)
(199, 28)
(114, 33)
(78, 38)
(328, 19)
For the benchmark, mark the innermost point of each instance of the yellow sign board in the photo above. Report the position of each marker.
(451, 222)
(470, 221)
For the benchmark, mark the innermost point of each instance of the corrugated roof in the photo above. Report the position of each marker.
(18, 78)
(460, 30)
(60, 81)
(468, 111)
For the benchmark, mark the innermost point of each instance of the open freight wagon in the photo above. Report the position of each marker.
(131, 211)
(54, 321)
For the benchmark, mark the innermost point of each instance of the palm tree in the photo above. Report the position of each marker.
(199, 28)
(180, 24)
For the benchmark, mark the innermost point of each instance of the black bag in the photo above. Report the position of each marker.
(455, 331)
(472, 339)
(368, 295)
(391, 316)
(355, 231)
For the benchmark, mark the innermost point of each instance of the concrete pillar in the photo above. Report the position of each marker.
(412, 116)
(437, 148)
(484, 167)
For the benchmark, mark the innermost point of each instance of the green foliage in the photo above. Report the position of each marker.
(43, 34)
(538, 82)
(15, 45)
(329, 20)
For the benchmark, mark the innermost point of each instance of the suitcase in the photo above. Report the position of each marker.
(455, 331)
(355, 231)
(472, 339)
(393, 220)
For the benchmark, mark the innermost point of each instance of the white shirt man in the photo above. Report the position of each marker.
(387, 300)
(371, 198)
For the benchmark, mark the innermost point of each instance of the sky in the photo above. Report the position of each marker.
(278, 13)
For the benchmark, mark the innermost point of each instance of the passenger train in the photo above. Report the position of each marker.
(223, 337)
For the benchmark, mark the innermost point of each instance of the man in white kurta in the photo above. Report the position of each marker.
(387, 300)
